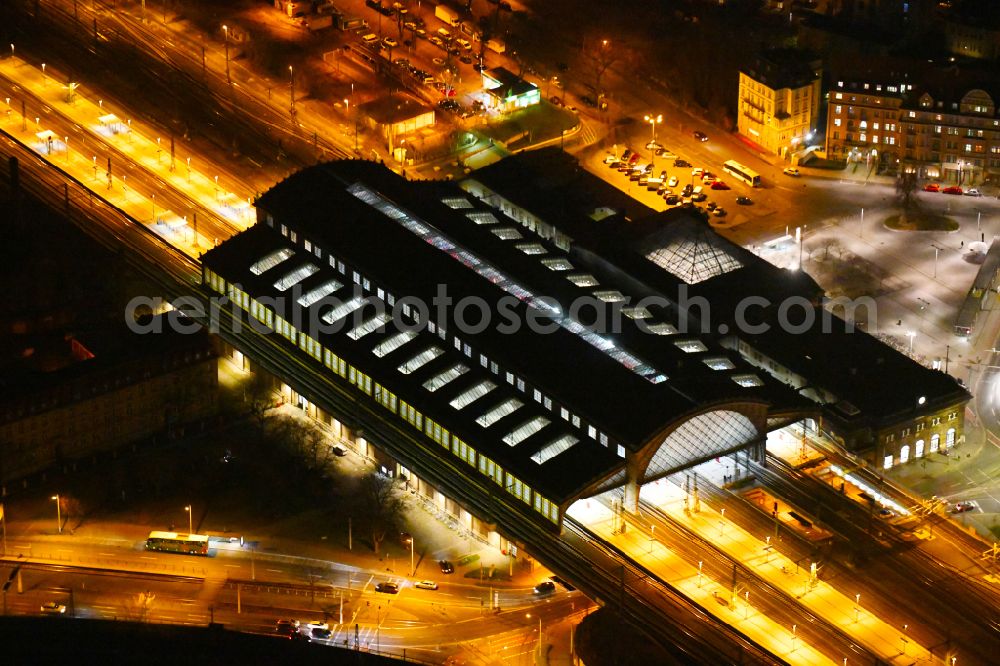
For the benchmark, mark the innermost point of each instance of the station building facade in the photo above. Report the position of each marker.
(476, 317)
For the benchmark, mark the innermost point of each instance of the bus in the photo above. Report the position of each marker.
(737, 170)
(172, 542)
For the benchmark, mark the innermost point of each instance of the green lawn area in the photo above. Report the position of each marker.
(541, 122)
(920, 221)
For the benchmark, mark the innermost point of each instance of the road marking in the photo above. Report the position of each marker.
(63, 550)
(274, 570)
(144, 557)
(106, 554)
(233, 566)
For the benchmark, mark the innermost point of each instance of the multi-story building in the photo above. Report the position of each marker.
(947, 131)
(129, 387)
(972, 29)
(534, 330)
(780, 99)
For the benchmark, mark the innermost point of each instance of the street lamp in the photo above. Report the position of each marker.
(652, 120)
(857, 605)
(291, 87)
(413, 568)
(58, 512)
(911, 335)
(225, 29)
(936, 250)
(190, 519)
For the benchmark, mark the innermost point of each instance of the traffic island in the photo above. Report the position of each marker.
(922, 221)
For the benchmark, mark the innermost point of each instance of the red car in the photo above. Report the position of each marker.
(932, 187)
(719, 185)
(954, 189)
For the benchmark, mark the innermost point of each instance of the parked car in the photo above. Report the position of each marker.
(720, 212)
(671, 199)
(932, 187)
(387, 588)
(720, 185)
(672, 182)
(52, 608)
(317, 624)
(465, 59)
(962, 507)
(791, 171)
(708, 178)
(954, 189)
(710, 206)
(435, 40)
(426, 585)
(744, 201)
(320, 634)
(390, 43)
(464, 43)
(338, 451)
(698, 196)
(687, 190)
(681, 163)
(370, 38)
(697, 172)
(973, 193)
(545, 587)
(589, 101)
(446, 567)
(701, 136)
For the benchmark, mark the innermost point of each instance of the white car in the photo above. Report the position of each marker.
(464, 43)
(426, 585)
(52, 608)
(791, 171)
(672, 182)
(390, 42)
(973, 193)
(317, 624)
(370, 38)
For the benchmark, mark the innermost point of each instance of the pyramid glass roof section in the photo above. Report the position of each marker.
(456, 202)
(507, 233)
(420, 360)
(464, 399)
(557, 264)
(442, 378)
(554, 448)
(393, 342)
(531, 248)
(610, 295)
(583, 279)
(505, 408)
(694, 260)
(366, 327)
(296, 276)
(342, 310)
(271, 260)
(525, 430)
(482, 217)
(312, 296)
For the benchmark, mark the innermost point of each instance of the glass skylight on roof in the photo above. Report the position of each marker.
(296, 276)
(420, 360)
(442, 378)
(747, 381)
(271, 260)
(718, 363)
(465, 398)
(691, 346)
(482, 217)
(557, 264)
(610, 295)
(392, 343)
(661, 328)
(554, 448)
(695, 259)
(583, 279)
(636, 312)
(342, 310)
(314, 295)
(373, 324)
(505, 408)
(456, 202)
(507, 233)
(525, 430)
(470, 260)
(531, 248)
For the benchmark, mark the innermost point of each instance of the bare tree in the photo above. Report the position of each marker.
(303, 440)
(906, 190)
(380, 508)
(258, 394)
(599, 55)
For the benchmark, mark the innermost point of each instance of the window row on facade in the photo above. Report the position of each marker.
(387, 399)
